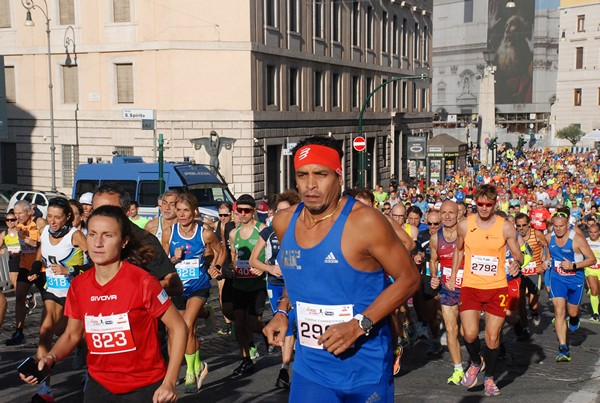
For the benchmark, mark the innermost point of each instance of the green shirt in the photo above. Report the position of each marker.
(243, 280)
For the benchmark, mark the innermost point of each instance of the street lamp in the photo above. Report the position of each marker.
(68, 42)
(30, 5)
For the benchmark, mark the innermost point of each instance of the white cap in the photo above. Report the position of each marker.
(86, 198)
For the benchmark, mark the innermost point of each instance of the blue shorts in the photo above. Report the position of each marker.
(275, 292)
(570, 290)
(449, 298)
(547, 277)
(304, 390)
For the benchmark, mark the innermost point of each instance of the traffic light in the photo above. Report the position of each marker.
(521, 143)
(368, 159)
(492, 143)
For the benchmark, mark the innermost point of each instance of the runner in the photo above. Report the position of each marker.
(334, 257)
(225, 276)
(482, 240)
(77, 209)
(569, 255)
(134, 216)
(592, 273)
(167, 215)
(269, 243)
(124, 361)
(9, 243)
(443, 244)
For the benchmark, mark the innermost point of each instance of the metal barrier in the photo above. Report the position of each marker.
(5, 283)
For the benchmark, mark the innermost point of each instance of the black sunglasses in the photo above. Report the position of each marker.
(433, 223)
(224, 215)
(10, 220)
(244, 210)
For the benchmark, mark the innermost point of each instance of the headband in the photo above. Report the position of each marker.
(317, 154)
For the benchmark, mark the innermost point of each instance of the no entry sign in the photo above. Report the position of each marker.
(359, 143)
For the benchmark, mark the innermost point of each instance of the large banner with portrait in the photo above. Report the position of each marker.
(510, 37)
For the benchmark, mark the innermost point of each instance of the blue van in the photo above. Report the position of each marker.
(140, 180)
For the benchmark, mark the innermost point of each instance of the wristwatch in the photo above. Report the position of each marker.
(364, 323)
(574, 266)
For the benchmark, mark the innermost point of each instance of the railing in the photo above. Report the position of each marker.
(5, 283)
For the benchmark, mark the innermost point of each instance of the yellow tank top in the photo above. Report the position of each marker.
(12, 243)
(485, 255)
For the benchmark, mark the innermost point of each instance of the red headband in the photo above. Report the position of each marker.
(317, 154)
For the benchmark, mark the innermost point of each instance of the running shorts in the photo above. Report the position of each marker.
(569, 290)
(305, 390)
(592, 272)
(514, 294)
(491, 301)
(251, 301)
(449, 298)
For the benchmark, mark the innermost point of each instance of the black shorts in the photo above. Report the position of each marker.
(251, 301)
(180, 302)
(13, 264)
(227, 292)
(96, 393)
(40, 282)
(48, 296)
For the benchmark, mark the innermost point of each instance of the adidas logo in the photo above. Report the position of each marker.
(330, 258)
(373, 398)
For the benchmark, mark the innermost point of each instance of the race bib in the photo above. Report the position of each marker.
(562, 272)
(108, 334)
(447, 272)
(530, 269)
(188, 269)
(14, 248)
(313, 320)
(242, 269)
(57, 282)
(484, 265)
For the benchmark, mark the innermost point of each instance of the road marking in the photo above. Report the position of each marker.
(590, 390)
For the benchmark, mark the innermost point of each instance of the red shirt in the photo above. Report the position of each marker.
(120, 320)
(538, 218)
(520, 191)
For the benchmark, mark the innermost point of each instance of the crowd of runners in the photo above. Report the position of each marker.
(358, 277)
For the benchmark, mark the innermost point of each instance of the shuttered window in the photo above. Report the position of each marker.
(9, 81)
(67, 12)
(124, 83)
(4, 13)
(121, 11)
(70, 84)
(70, 162)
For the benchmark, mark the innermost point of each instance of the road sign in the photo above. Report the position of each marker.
(487, 140)
(359, 143)
(138, 114)
(148, 124)
(289, 148)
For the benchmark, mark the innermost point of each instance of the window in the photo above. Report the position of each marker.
(121, 11)
(67, 12)
(124, 83)
(395, 34)
(8, 160)
(293, 16)
(579, 58)
(384, 94)
(404, 37)
(70, 162)
(148, 193)
(318, 89)
(369, 90)
(335, 90)
(70, 84)
(416, 42)
(355, 91)
(124, 150)
(384, 32)
(404, 95)
(415, 97)
(4, 13)
(580, 23)
(294, 87)
(425, 43)
(441, 92)
(270, 13)
(336, 17)
(395, 95)
(369, 27)
(271, 82)
(468, 16)
(356, 23)
(577, 97)
(318, 20)
(423, 99)
(9, 81)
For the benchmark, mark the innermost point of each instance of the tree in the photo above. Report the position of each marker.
(571, 133)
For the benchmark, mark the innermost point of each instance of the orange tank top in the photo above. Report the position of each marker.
(485, 254)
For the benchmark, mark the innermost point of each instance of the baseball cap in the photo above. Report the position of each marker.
(86, 198)
(246, 200)
(443, 192)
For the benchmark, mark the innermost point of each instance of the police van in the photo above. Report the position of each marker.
(140, 180)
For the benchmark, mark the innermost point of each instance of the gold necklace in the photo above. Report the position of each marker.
(315, 221)
(187, 232)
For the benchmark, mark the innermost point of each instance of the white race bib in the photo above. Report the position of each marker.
(447, 272)
(108, 334)
(562, 272)
(313, 320)
(530, 269)
(242, 269)
(484, 265)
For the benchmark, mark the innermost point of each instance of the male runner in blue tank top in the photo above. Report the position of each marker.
(334, 257)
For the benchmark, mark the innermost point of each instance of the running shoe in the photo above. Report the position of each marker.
(470, 378)
(573, 328)
(225, 330)
(283, 380)
(209, 323)
(190, 383)
(44, 394)
(245, 367)
(254, 354)
(535, 319)
(397, 362)
(201, 375)
(457, 376)
(30, 302)
(595, 317)
(16, 339)
(564, 355)
(490, 387)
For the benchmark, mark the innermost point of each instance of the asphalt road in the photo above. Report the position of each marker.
(529, 373)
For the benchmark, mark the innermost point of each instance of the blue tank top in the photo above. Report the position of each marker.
(321, 276)
(191, 268)
(559, 254)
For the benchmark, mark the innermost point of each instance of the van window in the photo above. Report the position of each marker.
(84, 186)
(148, 193)
(211, 196)
(40, 200)
(129, 186)
(28, 197)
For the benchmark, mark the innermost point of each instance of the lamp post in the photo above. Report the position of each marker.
(30, 5)
(70, 41)
(363, 154)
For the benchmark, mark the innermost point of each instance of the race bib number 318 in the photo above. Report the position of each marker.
(108, 334)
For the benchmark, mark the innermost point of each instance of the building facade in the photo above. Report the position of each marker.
(578, 82)
(262, 73)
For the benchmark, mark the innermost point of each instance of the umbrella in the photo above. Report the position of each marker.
(594, 135)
